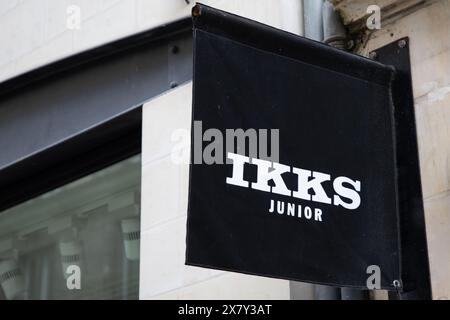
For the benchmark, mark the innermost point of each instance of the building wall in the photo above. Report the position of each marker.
(428, 27)
(35, 32)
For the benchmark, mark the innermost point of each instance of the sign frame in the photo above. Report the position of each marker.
(415, 270)
(414, 282)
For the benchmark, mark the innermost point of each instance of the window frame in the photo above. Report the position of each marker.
(97, 143)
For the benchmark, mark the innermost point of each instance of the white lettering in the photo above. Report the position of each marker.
(268, 171)
(350, 194)
(304, 185)
(272, 172)
(237, 178)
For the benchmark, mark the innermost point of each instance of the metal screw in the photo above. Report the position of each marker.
(196, 11)
(175, 49)
(350, 45)
(173, 84)
(402, 43)
(373, 55)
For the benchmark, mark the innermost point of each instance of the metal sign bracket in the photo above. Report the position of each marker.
(413, 243)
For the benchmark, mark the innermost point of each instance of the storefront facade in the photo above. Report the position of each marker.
(92, 120)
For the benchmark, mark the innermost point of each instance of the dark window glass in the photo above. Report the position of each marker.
(80, 241)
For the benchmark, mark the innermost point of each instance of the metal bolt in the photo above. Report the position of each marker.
(196, 11)
(175, 49)
(373, 55)
(402, 43)
(173, 84)
(350, 45)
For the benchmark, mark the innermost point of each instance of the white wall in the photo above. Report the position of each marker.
(34, 32)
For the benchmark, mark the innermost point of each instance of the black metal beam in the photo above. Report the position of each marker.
(52, 104)
(414, 254)
(112, 141)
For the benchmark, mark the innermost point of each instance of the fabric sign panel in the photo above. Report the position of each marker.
(293, 171)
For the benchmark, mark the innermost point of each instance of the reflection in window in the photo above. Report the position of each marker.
(83, 235)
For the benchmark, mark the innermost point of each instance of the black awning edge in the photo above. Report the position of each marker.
(290, 45)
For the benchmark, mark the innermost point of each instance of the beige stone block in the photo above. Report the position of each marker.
(230, 286)
(151, 13)
(89, 8)
(184, 186)
(430, 77)
(284, 14)
(433, 132)
(8, 30)
(428, 29)
(56, 21)
(116, 21)
(163, 266)
(21, 30)
(7, 5)
(163, 117)
(163, 193)
(106, 4)
(58, 48)
(437, 212)
(6, 71)
(353, 11)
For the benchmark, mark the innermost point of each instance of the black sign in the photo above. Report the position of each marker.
(323, 206)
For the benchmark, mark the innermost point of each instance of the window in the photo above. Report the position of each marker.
(79, 241)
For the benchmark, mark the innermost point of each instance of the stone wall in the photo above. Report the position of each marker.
(427, 24)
